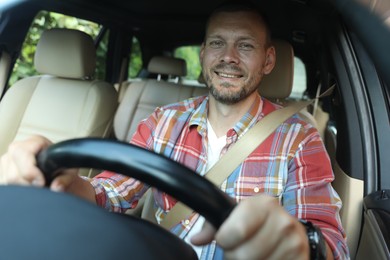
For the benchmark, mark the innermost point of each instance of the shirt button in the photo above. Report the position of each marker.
(186, 222)
(256, 189)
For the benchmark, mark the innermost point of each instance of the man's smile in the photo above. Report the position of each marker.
(227, 75)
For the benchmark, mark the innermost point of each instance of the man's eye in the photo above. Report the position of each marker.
(245, 46)
(216, 44)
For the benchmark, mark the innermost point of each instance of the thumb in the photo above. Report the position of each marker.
(64, 181)
(205, 236)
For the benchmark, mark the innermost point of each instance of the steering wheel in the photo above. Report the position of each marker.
(39, 224)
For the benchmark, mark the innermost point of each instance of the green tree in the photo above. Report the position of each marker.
(191, 55)
(135, 59)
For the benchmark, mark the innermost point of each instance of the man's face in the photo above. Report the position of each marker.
(234, 56)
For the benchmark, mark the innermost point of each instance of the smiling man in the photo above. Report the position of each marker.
(293, 200)
(235, 55)
(230, 57)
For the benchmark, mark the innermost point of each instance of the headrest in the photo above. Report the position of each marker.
(65, 53)
(168, 66)
(278, 84)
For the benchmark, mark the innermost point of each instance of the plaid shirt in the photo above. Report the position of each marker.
(291, 164)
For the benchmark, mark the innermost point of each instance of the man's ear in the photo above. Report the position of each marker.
(270, 60)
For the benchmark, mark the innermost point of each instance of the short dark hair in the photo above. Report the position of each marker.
(246, 6)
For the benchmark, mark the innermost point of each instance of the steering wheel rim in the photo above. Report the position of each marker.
(180, 182)
(37, 223)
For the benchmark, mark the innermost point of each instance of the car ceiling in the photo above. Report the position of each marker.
(178, 21)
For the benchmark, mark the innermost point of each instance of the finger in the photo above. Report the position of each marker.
(293, 244)
(23, 154)
(240, 225)
(64, 181)
(281, 237)
(295, 247)
(205, 236)
(262, 243)
(70, 181)
(9, 172)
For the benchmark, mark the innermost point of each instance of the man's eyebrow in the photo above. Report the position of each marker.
(215, 36)
(253, 40)
(246, 38)
(240, 38)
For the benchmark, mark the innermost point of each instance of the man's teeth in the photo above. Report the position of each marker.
(228, 75)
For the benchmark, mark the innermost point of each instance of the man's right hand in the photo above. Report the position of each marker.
(19, 166)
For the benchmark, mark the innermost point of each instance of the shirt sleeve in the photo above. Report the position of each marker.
(116, 192)
(309, 194)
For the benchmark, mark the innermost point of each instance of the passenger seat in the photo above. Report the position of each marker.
(141, 98)
(63, 103)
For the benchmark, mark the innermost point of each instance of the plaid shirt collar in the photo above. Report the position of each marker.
(254, 114)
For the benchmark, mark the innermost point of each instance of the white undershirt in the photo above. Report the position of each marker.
(214, 149)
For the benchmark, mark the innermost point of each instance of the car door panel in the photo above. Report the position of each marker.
(375, 240)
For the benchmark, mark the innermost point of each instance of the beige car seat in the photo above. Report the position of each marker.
(351, 192)
(5, 66)
(277, 86)
(141, 98)
(63, 103)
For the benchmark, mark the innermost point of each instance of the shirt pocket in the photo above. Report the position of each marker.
(246, 186)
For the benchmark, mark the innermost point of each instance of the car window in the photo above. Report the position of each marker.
(299, 82)
(101, 56)
(191, 55)
(135, 64)
(46, 20)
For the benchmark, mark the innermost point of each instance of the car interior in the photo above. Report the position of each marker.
(65, 100)
(78, 106)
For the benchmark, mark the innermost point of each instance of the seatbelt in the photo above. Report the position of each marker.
(315, 105)
(238, 153)
(328, 92)
(121, 78)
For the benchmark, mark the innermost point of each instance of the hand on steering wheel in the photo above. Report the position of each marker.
(146, 166)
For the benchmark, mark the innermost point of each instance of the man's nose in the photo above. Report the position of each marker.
(230, 55)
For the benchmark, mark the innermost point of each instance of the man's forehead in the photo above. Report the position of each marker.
(243, 24)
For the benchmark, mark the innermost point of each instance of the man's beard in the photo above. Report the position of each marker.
(230, 97)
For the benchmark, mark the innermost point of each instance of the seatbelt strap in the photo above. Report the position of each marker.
(315, 105)
(122, 78)
(238, 153)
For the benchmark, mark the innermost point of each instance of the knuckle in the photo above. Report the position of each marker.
(240, 230)
(298, 246)
(13, 147)
(287, 225)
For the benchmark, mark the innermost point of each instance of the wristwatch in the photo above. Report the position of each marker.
(316, 241)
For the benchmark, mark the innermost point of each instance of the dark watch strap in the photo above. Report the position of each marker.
(316, 241)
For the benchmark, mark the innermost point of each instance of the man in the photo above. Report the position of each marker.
(290, 169)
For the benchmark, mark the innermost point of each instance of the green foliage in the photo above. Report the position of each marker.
(135, 65)
(191, 55)
(46, 20)
(101, 52)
